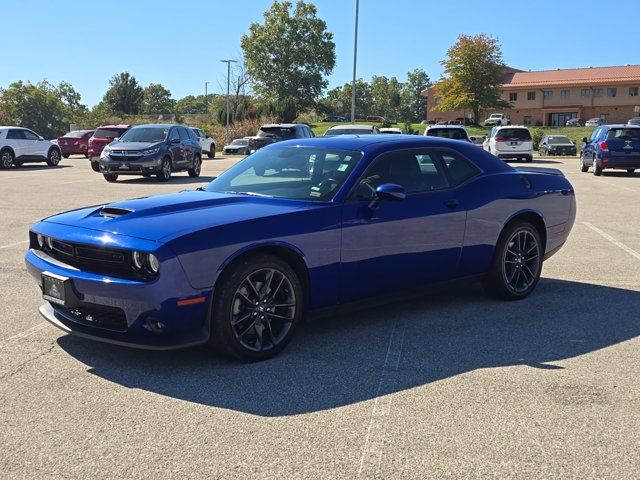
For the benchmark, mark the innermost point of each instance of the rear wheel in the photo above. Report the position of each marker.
(95, 166)
(583, 166)
(529, 159)
(165, 170)
(256, 308)
(110, 177)
(53, 157)
(517, 262)
(631, 170)
(7, 159)
(65, 155)
(212, 151)
(197, 164)
(597, 169)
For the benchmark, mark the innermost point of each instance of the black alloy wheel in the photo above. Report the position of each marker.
(95, 166)
(110, 177)
(165, 170)
(53, 157)
(517, 262)
(257, 307)
(7, 159)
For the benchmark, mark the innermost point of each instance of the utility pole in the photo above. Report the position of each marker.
(228, 62)
(206, 95)
(355, 59)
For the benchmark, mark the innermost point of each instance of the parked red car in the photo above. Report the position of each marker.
(103, 135)
(75, 142)
(375, 118)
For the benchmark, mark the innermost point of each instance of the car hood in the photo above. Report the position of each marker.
(164, 217)
(133, 145)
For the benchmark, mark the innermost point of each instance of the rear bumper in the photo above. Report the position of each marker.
(514, 154)
(619, 162)
(73, 149)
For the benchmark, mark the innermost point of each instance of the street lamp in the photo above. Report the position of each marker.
(355, 58)
(228, 62)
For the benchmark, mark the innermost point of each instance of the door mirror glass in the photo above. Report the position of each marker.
(391, 191)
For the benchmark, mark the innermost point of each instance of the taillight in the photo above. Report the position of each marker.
(500, 139)
(603, 146)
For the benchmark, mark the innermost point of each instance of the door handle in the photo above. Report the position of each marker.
(453, 203)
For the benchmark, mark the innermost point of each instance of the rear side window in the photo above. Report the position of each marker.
(624, 134)
(15, 134)
(514, 133)
(184, 136)
(458, 168)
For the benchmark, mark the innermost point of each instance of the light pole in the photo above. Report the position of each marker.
(228, 62)
(206, 95)
(355, 59)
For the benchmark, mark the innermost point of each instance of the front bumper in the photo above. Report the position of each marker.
(148, 164)
(138, 304)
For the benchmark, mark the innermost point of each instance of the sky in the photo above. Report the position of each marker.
(180, 44)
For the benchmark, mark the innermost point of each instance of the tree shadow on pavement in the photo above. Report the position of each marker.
(337, 361)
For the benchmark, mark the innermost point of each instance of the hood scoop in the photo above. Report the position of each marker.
(114, 212)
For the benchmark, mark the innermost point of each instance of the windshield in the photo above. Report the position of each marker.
(297, 173)
(280, 132)
(108, 132)
(240, 142)
(145, 134)
(453, 133)
(76, 134)
(496, 115)
(347, 131)
(557, 140)
(624, 134)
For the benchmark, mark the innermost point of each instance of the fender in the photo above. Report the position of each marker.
(255, 246)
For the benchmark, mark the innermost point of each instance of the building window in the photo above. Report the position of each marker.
(597, 92)
(633, 91)
(585, 92)
(548, 94)
(531, 95)
(513, 97)
(603, 117)
(612, 92)
(527, 119)
(565, 94)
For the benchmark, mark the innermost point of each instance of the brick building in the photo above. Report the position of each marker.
(551, 97)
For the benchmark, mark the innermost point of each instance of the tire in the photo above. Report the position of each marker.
(597, 169)
(529, 159)
(197, 166)
(65, 155)
(165, 170)
(240, 340)
(110, 177)
(631, 171)
(146, 175)
(517, 262)
(212, 151)
(583, 167)
(7, 159)
(95, 166)
(53, 157)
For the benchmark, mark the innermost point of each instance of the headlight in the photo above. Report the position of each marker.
(40, 240)
(145, 261)
(153, 263)
(105, 152)
(48, 242)
(151, 151)
(138, 260)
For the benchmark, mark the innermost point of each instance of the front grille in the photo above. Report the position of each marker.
(96, 315)
(125, 155)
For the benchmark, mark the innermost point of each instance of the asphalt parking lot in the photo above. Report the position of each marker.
(452, 385)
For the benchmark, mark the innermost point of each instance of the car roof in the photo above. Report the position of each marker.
(352, 127)
(162, 125)
(282, 125)
(511, 126)
(445, 126)
(620, 125)
(114, 126)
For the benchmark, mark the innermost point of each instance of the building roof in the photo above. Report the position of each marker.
(573, 76)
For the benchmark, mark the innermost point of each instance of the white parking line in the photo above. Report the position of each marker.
(618, 186)
(13, 244)
(26, 333)
(374, 442)
(617, 243)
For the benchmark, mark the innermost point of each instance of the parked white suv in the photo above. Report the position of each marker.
(497, 119)
(454, 132)
(207, 143)
(510, 142)
(20, 145)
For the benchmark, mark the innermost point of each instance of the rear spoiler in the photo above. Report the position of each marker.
(548, 171)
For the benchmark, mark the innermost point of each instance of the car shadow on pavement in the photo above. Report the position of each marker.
(30, 168)
(173, 179)
(338, 361)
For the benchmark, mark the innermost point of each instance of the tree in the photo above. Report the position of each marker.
(37, 107)
(124, 94)
(474, 67)
(413, 104)
(289, 55)
(191, 105)
(386, 96)
(157, 99)
(338, 100)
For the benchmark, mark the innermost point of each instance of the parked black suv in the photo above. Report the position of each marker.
(152, 150)
(285, 131)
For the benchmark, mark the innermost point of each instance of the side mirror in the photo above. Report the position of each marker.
(584, 140)
(40, 139)
(391, 191)
(116, 139)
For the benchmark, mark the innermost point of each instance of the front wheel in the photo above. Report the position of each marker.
(95, 166)
(165, 170)
(7, 159)
(212, 151)
(53, 157)
(529, 159)
(258, 304)
(110, 177)
(517, 262)
(197, 164)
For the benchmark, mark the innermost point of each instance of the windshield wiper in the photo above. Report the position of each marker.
(252, 194)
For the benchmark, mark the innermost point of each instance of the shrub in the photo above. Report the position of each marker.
(536, 136)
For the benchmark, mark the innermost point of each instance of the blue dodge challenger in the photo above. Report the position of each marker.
(296, 227)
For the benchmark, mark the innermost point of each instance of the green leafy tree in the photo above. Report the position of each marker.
(125, 95)
(37, 107)
(289, 55)
(474, 70)
(192, 104)
(338, 100)
(413, 104)
(157, 99)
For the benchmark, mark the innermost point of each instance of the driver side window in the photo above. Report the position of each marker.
(29, 135)
(174, 135)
